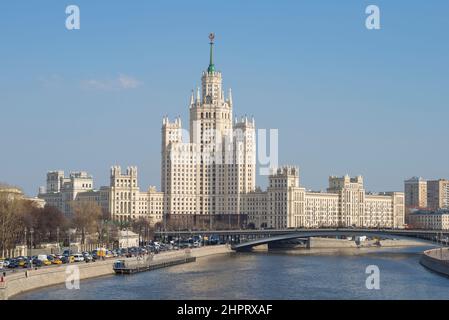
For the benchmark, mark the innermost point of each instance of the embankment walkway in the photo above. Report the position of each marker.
(436, 260)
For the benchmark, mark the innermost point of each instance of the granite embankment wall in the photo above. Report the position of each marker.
(436, 260)
(327, 243)
(18, 282)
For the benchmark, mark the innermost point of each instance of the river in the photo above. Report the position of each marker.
(299, 274)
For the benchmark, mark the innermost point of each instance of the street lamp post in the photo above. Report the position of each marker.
(25, 238)
(57, 240)
(68, 258)
(31, 247)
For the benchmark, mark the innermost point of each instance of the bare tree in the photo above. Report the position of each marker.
(86, 217)
(11, 223)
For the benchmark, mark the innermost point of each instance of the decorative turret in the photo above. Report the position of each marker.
(192, 100)
(198, 98)
(230, 97)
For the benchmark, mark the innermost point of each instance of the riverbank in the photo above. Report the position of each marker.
(332, 243)
(436, 260)
(327, 243)
(274, 275)
(19, 282)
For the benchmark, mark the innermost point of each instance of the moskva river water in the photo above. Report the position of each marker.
(299, 274)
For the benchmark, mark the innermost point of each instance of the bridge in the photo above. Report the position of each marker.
(246, 239)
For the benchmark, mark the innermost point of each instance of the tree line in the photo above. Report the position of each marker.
(22, 222)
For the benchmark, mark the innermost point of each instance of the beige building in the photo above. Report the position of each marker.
(127, 202)
(11, 193)
(206, 173)
(436, 220)
(61, 190)
(438, 194)
(344, 204)
(122, 198)
(415, 193)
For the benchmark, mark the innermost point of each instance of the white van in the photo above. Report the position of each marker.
(42, 257)
(78, 257)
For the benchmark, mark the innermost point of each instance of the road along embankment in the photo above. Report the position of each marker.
(19, 282)
(436, 260)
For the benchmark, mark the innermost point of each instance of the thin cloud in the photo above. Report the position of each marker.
(128, 82)
(122, 82)
(50, 81)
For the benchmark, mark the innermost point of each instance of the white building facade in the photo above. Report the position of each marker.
(430, 220)
(345, 204)
(206, 173)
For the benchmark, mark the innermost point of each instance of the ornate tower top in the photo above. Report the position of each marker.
(211, 67)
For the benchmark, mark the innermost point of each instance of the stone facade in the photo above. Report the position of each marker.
(122, 198)
(345, 204)
(127, 202)
(415, 193)
(207, 172)
(438, 194)
(208, 175)
(430, 220)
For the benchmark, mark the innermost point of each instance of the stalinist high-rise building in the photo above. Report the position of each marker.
(206, 172)
(208, 180)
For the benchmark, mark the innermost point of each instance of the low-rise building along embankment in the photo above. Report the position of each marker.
(436, 260)
(19, 282)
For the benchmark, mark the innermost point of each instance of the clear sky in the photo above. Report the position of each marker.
(345, 99)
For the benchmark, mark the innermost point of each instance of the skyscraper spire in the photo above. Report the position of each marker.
(211, 67)
(192, 100)
(198, 95)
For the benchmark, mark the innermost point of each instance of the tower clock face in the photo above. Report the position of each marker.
(211, 36)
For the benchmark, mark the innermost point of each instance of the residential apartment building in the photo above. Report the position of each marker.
(122, 198)
(344, 204)
(127, 202)
(415, 193)
(206, 175)
(430, 220)
(61, 191)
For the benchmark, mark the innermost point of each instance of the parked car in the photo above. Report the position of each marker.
(36, 263)
(44, 259)
(13, 264)
(87, 257)
(67, 259)
(54, 259)
(22, 262)
(78, 257)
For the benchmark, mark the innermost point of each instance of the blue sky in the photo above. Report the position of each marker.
(345, 99)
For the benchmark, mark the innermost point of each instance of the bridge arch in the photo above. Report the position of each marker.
(244, 246)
